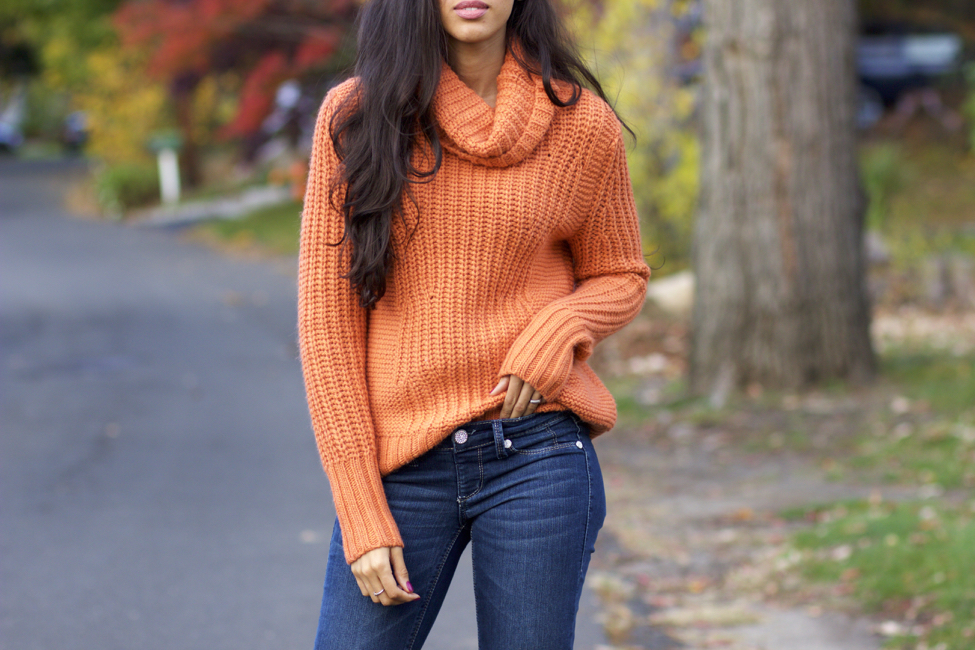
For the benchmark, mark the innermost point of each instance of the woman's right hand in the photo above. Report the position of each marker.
(374, 570)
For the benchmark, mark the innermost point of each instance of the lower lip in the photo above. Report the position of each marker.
(471, 14)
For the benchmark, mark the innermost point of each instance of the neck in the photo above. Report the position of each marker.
(478, 64)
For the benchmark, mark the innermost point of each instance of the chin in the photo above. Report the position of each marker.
(473, 36)
(474, 33)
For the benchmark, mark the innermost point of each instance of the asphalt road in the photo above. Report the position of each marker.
(159, 482)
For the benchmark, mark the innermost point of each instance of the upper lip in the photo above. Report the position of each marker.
(467, 4)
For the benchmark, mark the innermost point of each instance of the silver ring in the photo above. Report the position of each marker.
(535, 401)
(379, 592)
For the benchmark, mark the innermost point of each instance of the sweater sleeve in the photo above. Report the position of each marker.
(332, 341)
(611, 281)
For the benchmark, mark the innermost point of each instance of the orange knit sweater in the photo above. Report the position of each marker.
(526, 253)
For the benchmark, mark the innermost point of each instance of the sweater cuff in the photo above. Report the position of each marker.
(544, 352)
(360, 503)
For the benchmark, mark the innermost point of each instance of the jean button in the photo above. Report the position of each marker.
(460, 436)
(507, 443)
(579, 444)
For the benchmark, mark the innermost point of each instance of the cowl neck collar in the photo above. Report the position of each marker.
(499, 136)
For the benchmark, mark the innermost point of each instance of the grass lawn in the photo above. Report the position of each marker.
(912, 562)
(927, 434)
(273, 230)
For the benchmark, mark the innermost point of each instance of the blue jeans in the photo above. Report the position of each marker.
(527, 493)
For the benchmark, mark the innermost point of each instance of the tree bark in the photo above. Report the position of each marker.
(781, 294)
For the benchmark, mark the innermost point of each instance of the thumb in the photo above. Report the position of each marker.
(399, 568)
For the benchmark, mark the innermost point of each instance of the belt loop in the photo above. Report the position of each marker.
(499, 439)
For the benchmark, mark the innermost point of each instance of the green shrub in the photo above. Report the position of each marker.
(125, 186)
(46, 109)
(883, 177)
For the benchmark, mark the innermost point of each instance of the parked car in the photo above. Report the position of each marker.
(894, 64)
(900, 69)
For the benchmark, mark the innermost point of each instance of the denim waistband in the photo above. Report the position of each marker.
(511, 427)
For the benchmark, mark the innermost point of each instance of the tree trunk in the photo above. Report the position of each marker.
(183, 91)
(778, 251)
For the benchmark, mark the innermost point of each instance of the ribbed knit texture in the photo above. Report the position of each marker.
(526, 253)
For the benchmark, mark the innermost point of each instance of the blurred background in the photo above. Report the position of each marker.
(160, 483)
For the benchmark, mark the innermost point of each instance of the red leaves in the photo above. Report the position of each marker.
(257, 95)
(318, 46)
(265, 41)
(183, 35)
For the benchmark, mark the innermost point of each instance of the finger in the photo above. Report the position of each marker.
(521, 404)
(393, 594)
(502, 384)
(362, 586)
(514, 389)
(375, 569)
(399, 569)
(531, 406)
(373, 584)
(366, 570)
(361, 571)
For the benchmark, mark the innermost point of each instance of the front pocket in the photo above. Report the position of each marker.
(562, 435)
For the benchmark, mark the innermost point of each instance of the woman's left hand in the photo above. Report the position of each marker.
(516, 401)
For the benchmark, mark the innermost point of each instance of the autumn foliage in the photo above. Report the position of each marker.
(263, 41)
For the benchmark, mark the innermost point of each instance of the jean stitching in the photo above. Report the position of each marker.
(585, 537)
(480, 480)
(469, 446)
(554, 447)
(498, 449)
(430, 590)
(561, 445)
(555, 436)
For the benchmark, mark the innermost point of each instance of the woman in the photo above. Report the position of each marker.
(468, 235)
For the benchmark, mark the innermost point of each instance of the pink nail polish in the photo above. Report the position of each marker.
(409, 587)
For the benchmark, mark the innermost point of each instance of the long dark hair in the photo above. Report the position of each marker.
(401, 47)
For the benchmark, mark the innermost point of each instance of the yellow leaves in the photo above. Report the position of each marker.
(57, 49)
(628, 44)
(697, 585)
(123, 106)
(743, 514)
